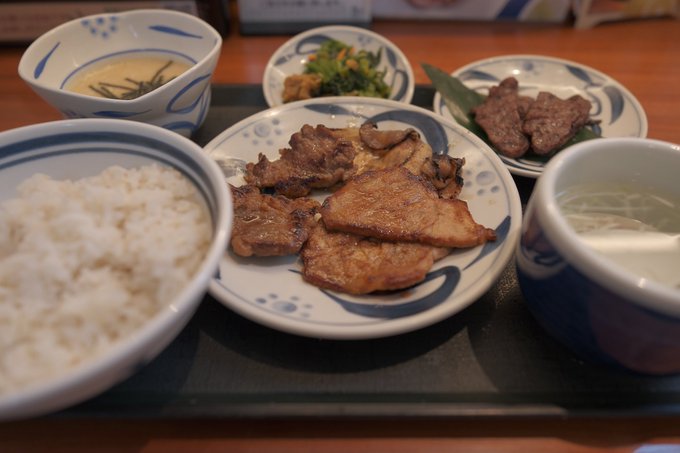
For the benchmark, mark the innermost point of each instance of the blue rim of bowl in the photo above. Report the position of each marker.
(48, 392)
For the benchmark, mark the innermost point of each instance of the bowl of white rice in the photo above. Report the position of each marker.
(110, 232)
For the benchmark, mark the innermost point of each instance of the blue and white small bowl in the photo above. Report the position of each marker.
(293, 55)
(603, 312)
(74, 149)
(181, 105)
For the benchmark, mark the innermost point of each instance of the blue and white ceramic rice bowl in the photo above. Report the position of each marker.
(54, 59)
(594, 305)
(76, 149)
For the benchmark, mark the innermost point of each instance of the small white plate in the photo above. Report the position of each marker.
(271, 291)
(619, 112)
(293, 55)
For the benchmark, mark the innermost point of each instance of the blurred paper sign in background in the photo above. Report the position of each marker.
(593, 12)
(292, 16)
(514, 10)
(23, 21)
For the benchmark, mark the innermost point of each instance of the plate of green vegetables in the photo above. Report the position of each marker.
(337, 60)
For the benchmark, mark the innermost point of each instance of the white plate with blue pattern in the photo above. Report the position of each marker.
(619, 112)
(293, 55)
(272, 292)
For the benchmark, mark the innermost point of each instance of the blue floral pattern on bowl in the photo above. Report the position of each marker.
(271, 290)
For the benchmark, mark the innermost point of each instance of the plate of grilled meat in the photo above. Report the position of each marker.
(359, 218)
(534, 106)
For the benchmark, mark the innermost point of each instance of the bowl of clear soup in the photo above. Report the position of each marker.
(599, 255)
(147, 65)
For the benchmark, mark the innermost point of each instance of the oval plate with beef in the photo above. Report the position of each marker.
(617, 112)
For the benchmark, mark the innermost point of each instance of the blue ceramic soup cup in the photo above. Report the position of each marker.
(599, 309)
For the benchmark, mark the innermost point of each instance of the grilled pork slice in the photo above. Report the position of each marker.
(395, 205)
(269, 225)
(444, 172)
(382, 139)
(501, 117)
(382, 148)
(393, 148)
(357, 265)
(321, 157)
(317, 158)
(410, 152)
(371, 143)
(551, 121)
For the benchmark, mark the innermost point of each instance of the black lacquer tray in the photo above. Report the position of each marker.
(490, 360)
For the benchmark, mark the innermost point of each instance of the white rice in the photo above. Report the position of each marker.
(85, 263)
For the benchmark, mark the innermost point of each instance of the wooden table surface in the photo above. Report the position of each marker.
(642, 55)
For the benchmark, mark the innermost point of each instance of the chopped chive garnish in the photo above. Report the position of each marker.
(135, 89)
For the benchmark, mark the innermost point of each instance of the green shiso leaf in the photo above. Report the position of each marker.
(459, 99)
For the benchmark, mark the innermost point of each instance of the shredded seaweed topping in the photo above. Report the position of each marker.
(136, 88)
